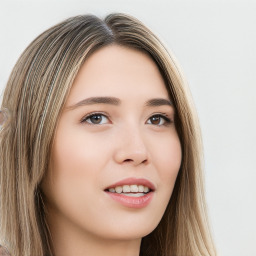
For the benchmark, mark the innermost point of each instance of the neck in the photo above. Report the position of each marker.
(107, 248)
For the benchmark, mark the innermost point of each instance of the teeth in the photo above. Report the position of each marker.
(146, 189)
(141, 188)
(112, 190)
(119, 189)
(133, 194)
(130, 188)
(126, 188)
(134, 188)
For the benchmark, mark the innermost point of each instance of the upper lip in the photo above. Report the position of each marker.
(133, 181)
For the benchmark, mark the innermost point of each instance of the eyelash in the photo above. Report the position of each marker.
(167, 120)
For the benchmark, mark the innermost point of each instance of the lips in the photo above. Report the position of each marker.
(132, 192)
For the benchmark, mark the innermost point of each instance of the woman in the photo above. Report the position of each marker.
(100, 153)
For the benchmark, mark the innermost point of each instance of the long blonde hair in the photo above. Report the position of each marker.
(34, 97)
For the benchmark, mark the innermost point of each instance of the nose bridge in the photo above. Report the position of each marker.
(132, 145)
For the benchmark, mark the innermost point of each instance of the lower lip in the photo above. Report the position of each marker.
(132, 202)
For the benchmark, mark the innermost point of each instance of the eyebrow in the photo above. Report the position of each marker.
(158, 102)
(116, 102)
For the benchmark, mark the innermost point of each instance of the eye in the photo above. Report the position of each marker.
(159, 120)
(95, 118)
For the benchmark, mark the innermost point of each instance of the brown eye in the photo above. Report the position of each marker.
(155, 120)
(158, 120)
(95, 119)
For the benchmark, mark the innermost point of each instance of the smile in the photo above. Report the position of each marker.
(132, 193)
(130, 189)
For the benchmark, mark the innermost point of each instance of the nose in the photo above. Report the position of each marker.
(131, 148)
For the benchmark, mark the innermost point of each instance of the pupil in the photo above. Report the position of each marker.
(96, 119)
(155, 120)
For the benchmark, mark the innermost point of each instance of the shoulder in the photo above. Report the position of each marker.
(3, 251)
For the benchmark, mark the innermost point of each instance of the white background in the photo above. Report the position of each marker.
(215, 43)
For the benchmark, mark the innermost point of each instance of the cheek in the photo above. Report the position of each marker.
(78, 161)
(167, 162)
(78, 152)
(76, 165)
(167, 158)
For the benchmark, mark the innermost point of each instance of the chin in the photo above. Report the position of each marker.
(129, 228)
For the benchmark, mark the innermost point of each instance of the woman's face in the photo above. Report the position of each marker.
(115, 140)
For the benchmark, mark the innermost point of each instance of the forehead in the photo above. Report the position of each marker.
(118, 71)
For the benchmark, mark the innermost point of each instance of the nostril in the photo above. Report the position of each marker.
(131, 161)
(128, 160)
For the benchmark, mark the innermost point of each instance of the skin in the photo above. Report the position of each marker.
(127, 142)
